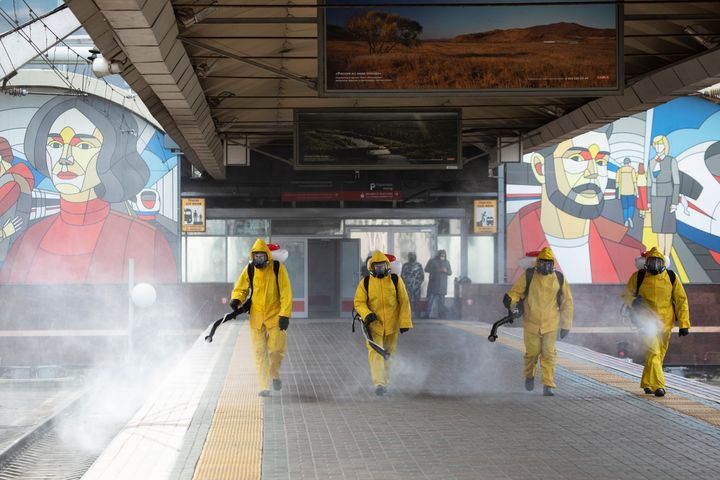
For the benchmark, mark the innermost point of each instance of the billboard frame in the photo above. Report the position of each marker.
(296, 139)
(323, 90)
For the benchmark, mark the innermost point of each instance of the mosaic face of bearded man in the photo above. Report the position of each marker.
(577, 175)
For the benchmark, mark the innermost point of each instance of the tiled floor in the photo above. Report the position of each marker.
(458, 410)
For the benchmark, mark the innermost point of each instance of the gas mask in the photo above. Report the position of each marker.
(259, 259)
(545, 267)
(379, 270)
(654, 265)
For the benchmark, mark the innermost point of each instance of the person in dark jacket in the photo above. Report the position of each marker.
(439, 270)
(413, 276)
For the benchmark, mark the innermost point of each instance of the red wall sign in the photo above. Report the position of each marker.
(373, 195)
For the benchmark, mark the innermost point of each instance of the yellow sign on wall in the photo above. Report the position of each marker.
(485, 216)
(193, 214)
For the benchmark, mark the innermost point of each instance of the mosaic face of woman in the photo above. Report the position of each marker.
(73, 146)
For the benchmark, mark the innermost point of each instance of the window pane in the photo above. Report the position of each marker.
(315, 226)
(248, 226)
(212, 227)
(449, 226)
(481, 259)
(206, 259)
(451, 244)
(388, 221)
(295, 264)
(215, 227)
(238, 256)
(416, 241)
(369, 242)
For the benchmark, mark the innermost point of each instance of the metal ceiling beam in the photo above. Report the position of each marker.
(253, 37)
(495, 3)
(664, 35)
(309, 82)
(254, 57)
(658, 54)
(271, 155)
(347, 106)
(679, 79)
(282, 103)
(257, 20)
(669, 17)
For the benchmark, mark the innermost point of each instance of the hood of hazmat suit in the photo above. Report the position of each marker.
(546, 254)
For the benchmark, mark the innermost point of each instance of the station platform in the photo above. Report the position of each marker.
(457, 409)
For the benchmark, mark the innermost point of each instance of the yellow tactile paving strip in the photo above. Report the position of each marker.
(233, 448)
(676, 402)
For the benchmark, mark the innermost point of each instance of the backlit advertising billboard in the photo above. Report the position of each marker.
(562, 46)
(367, 139)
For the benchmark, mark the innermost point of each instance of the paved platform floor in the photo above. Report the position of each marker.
(457, 410)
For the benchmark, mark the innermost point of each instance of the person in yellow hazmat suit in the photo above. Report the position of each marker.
(657, 299)
(548, 305)
(382, 301)
(270, 309)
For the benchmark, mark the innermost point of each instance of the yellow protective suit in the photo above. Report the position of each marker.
(542, 319)
(668, 303)
(268, 304)
(393, 313)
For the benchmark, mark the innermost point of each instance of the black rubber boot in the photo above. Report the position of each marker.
(264, 393)
(660, 392)
(548, 391)
(380, 390)
(530, 384)
(648, 391)
(277, 384)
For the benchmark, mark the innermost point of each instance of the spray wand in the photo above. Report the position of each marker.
(509, 318)
(368, 336)
(244, 307)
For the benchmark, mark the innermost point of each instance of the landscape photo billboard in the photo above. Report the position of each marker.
(562, 46)
(377, 139)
